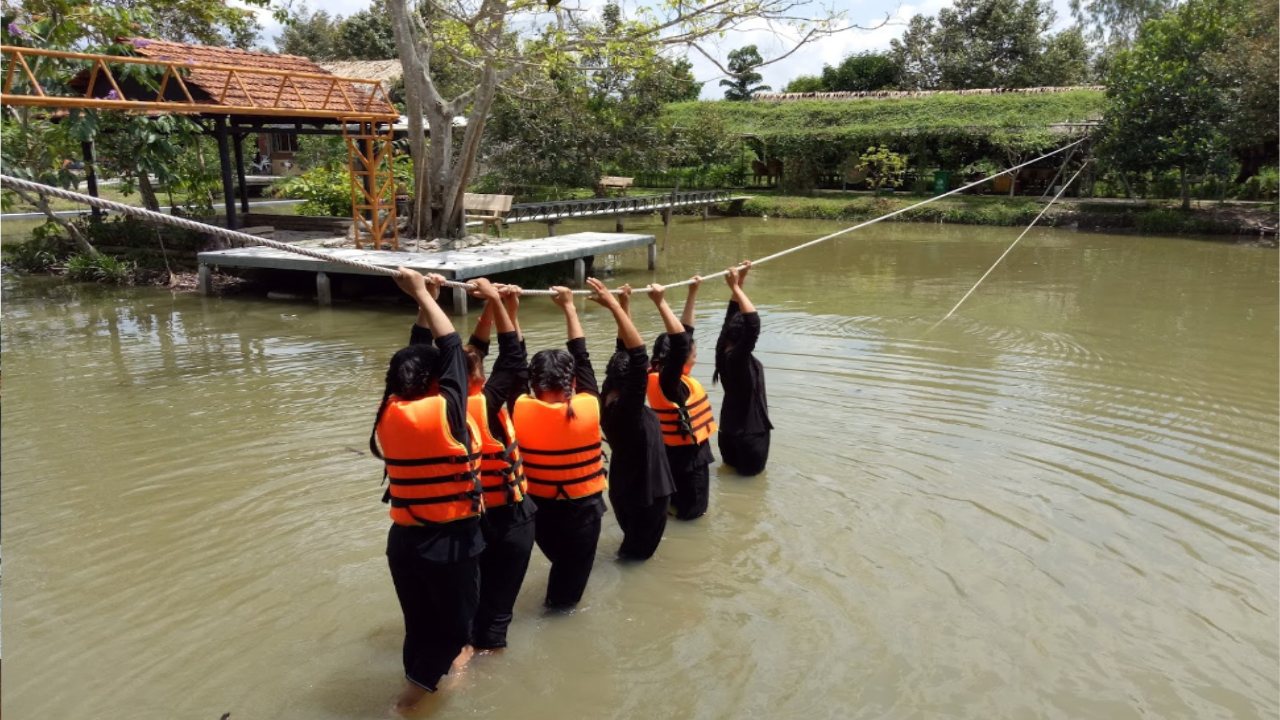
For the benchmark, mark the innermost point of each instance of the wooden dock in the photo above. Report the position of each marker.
(453, 264)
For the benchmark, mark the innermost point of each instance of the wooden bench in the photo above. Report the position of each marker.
(610, 182)
(489, 209)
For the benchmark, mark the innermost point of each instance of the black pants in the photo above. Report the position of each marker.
(439, 601)
(567, 532)
(693, 490)
(502, 567)
(641, 527)
(747, 453)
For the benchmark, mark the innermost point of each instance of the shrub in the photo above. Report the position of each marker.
(324, 191)
(40, 253)
(100, 269)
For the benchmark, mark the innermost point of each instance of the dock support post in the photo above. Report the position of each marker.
(244, 185)
(706, 211)
(324, 290)
(204, 280)
(459, 304)
(551, 228)
(653, 255)
(618, 225)
(224, 162)
(666, 216)
(579, 272)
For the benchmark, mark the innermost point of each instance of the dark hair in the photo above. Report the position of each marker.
(409, 375)
(552, 371)
(475, 364)
(662, 348)
(730, 335)
(615, 371)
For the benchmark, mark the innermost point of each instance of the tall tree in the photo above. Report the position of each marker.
(309, 34)
(863, 72)
(987, 44)
(743, 79)
(366, 35)
(1165, 109)
(497, 43)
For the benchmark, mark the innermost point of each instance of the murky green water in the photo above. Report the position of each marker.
(1059, 504)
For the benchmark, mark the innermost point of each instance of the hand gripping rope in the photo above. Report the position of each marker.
(16, 183)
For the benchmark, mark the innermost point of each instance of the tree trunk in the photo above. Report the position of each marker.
(1013, 181)
(41, 203)
(148, 193)
(1186, 188)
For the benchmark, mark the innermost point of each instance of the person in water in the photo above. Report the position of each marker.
(431, 450)
(682, 406)
(558, 432)
(640, 484)
(744, 413)
(507, 523)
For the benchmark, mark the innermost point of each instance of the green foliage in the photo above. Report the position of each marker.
(743, 79)
(988, 44)
(805, 84)
(324, 191)
(863, 72)
(46, 247)
(1262, 186)
(103, 269)
(366, 35)
(1166, 109)
(885, 168)
(309, 34)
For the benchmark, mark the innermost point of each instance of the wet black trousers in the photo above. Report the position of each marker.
(568, 537)
(439, 602)
(747, 453)
(693, 490)
(642, 528)
(502, 568)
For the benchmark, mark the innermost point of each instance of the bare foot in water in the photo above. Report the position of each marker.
(464, 657)
(409, 699)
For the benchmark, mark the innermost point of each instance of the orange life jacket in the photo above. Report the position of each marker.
(433, 477)
(690, 424)
(562, 456)
(501, 472)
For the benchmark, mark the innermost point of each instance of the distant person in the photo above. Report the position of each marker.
(431, 451)
(744, 414)
(683, 408)
(558, 431)
(640, 484)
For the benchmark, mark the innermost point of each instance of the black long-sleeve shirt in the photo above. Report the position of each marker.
(746, 407)
(639, 471)
(683, 458)
(460, 539)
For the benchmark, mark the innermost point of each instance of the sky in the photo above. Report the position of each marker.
(885, 20)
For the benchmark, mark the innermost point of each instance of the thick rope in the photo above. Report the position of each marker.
(1011, 246)
(8, 181)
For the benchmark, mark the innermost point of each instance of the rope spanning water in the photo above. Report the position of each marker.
(1010, 248)
(16, 183)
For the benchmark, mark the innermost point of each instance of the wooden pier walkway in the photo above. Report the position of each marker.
(552, 212)
(453, 264)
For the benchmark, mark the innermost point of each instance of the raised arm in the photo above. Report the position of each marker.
(510, 372)
(563, 298)
(690, 300)
(453, 365)
(627, 332)
(577, 342)
(734, 279)
(424, 291)
(511, 301)
(678, 348)
(657, 294)
(480, 335)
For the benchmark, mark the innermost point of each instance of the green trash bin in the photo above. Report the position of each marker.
(941, 181)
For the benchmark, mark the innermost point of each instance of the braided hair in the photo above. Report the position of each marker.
(730, 335)
(409, 376)
(551, 371)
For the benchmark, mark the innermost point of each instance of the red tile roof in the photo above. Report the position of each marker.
(262, 87)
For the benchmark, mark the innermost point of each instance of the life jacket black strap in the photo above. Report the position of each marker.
(562, 483)
(533, 451)
(598, 457)
(399, 502)
(409, 482)
(441, 460)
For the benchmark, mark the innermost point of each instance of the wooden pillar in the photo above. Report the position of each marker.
(324, 290)
(666, 216)
(204, 280)
(619, 225)
(224, 161)
(579, 272)
(551, 227)
(459, 304)
(653, 255)
(706, 211)
(91, 176)
(244, 186)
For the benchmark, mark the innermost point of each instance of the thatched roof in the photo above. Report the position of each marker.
(388, 71)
